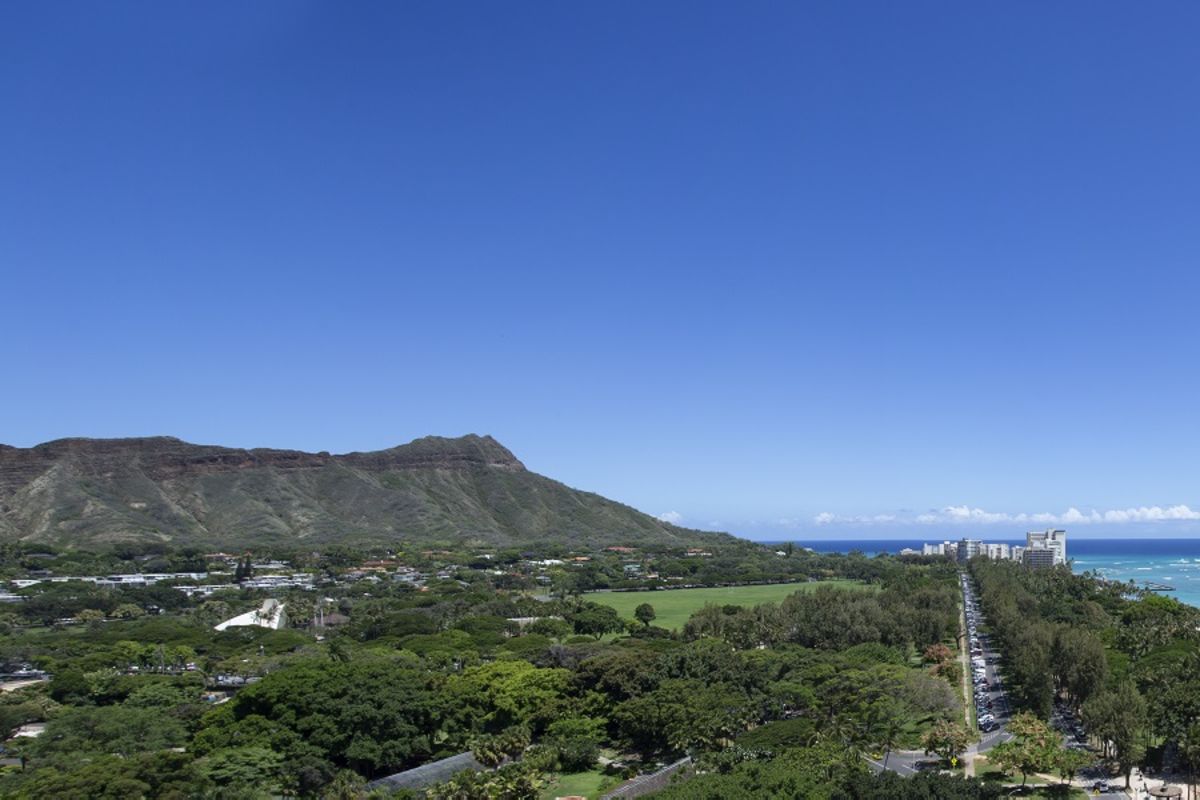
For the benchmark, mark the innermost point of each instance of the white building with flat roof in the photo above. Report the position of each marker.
(996, 550)
(1053, 539)
(269, 615)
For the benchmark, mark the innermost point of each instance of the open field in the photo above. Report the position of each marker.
(589, 784)
(674, 606)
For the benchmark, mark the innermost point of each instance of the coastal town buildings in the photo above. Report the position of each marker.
(1042, 549)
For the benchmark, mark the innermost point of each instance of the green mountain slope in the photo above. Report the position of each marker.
(95, 492)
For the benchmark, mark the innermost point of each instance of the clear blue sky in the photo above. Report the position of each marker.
(747, 263)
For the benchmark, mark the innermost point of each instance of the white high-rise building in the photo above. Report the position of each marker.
(1054, 540)
(996, 551)
(968, 549)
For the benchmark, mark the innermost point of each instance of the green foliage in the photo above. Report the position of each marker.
(947, 740)
(577, 741)
(493, 749)
(502, 694)
(75, 733)
(1119, 718)
(551, 628)
(251, 770)
(922, 786)
(371, 716)
(593, 619)
(434, 489)
(683, 713)
(779, 735)
(169, 775)
(815, 773)
(510, 782)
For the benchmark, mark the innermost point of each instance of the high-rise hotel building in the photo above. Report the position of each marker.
(1045, 548)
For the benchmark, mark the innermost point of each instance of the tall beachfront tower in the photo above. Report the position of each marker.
(1047, 548)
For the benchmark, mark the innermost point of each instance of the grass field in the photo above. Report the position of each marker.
(674, 606)
(589, 784)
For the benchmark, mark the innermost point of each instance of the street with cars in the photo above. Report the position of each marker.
(993, 710)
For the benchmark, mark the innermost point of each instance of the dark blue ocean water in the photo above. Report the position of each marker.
(1172, 562)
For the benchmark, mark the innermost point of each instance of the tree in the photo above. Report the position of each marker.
(553, 628)
(1079, 662)
(577, 741)
(510, 782)
(684, 713)
(1068, 761)
(244, 570)
(495, 696)
(1025, 756)
(1119, 718)
(885, 723)
(596, 620)
(92, 616)
(937, 653)
(119, 730)
(371, 716)
(127, 611)
(338, 650)
(565, 585)
(946, 739)
(645, 613)
(1189, 749)
(493, 750)
(242, 768)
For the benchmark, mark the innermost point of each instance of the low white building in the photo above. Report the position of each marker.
(270, 614)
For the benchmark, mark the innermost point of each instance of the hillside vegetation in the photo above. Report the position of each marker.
(98, 492)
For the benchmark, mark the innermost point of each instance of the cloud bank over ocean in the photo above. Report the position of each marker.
(964, 514)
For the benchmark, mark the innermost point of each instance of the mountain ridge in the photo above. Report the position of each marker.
(95, 492)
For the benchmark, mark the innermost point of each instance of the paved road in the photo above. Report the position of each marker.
(1003, 709)
(903, 762)
(1000, 705)
(910, 762)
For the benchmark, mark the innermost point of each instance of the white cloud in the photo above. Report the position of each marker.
(673, 517)
(969, 515)
(826, 518)
(1152, 514)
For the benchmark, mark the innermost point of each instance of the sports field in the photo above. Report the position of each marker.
(674, 606)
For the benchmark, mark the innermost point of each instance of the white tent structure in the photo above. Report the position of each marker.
(270, 614)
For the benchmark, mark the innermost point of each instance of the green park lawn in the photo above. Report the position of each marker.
(590, 784)
(674, 606)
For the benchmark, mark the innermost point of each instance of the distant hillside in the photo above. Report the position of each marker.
(96, 492)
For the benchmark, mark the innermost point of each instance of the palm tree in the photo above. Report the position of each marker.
(889, 737)
(1190, 747)
(885, 724)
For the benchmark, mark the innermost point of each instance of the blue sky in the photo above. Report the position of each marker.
(783, 269)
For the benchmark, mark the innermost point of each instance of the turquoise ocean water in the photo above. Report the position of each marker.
(1170, 562)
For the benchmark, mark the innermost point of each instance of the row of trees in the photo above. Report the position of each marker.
(1128, 662)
